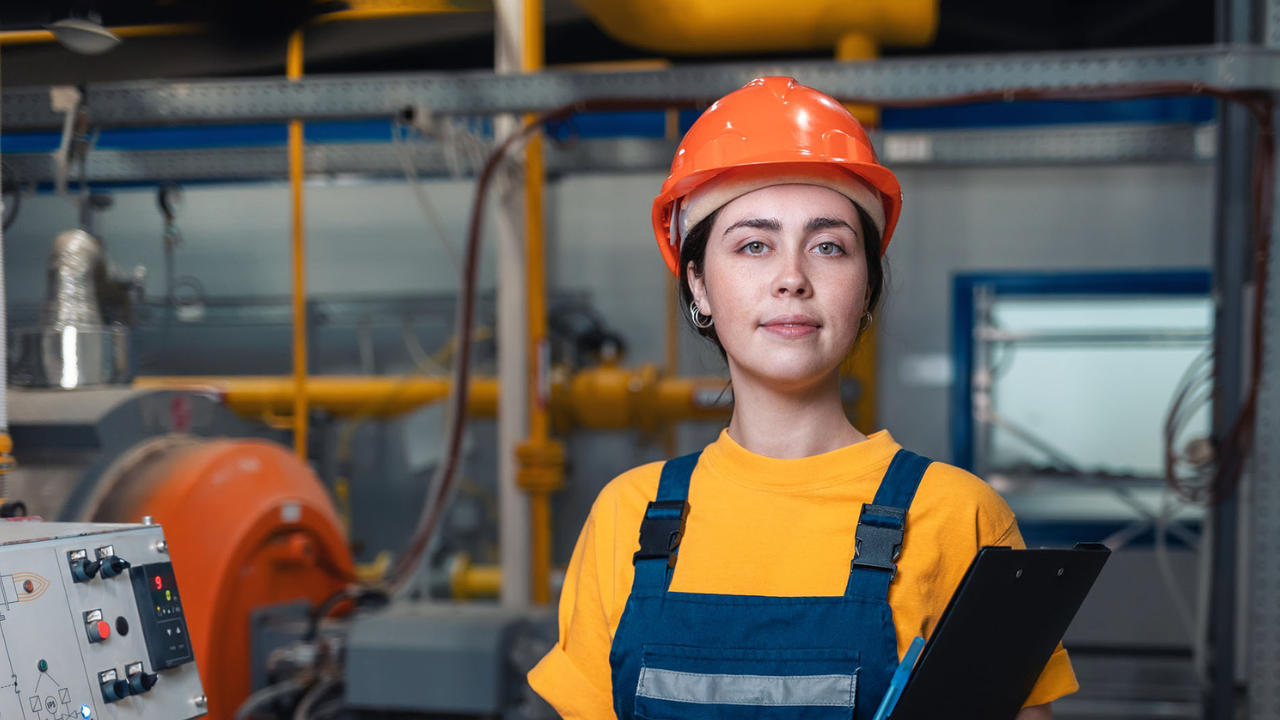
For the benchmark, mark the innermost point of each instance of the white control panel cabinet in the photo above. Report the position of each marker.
(91, 625)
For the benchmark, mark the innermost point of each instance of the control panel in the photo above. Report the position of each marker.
(91, 625)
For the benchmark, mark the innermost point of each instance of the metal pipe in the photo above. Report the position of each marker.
(379, 9)
(258, 396)
(541, 459)
(43, 37)
(604, 398)
(859, 46)
(299, 257)
(1232, 241)
(678, 27)
(671, 352)
(6, 443)
(513, 367)
(1086, 337)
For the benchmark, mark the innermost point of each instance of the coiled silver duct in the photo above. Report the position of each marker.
(72, 348)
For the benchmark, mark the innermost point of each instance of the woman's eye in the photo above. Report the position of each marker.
(755, 247)
(827, 248)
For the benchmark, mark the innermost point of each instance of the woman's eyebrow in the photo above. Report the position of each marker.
(757, 223)
(827, 223)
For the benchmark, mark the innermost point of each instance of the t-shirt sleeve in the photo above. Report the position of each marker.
(1058, 678)
(575, 677)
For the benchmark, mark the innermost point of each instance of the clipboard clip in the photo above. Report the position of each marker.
(878, 541)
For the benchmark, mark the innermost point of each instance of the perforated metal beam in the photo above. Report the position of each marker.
(1005, 147)
(1264, 558)
(139, 104)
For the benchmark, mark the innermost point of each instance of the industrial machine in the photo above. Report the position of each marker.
(248, 522)
(93, 625)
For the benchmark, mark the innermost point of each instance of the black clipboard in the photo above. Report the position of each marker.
(998, 631)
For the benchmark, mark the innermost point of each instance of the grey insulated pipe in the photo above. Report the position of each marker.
(72, 297)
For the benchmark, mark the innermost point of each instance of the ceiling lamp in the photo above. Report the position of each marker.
(84, 36)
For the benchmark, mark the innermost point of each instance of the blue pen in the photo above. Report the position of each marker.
(899, 680)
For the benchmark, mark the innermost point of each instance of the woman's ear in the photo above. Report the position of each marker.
(699, 289)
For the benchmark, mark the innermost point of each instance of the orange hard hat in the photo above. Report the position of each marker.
(774, 127)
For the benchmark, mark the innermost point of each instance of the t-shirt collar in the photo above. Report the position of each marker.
(849, 463)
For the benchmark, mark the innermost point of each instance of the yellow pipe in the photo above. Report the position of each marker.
(541, 459)
(860, 366)
(299, 247)
(40, 37)
(714, 26)
(602, 398)
(468, 581)
(385, 9)
(856, 47)
(343, 396)
(671, 347)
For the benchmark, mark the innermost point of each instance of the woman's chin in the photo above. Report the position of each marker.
(791, 376)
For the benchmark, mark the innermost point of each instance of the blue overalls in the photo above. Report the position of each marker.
(680, 656)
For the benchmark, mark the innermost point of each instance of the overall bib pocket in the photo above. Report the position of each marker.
(683, 683)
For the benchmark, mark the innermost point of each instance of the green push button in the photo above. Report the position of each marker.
(43, 666)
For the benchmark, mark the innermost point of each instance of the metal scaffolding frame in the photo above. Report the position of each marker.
(1236, 67)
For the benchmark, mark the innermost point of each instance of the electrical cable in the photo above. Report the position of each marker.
(429, 210)
(1197, 376)
(12, 204)
(353, 593)
(268, 694)
(1165, 567)
(317, 691)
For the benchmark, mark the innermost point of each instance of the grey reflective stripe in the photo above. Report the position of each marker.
(761, 690)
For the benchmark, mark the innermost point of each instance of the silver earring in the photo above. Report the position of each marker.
(702, 321)
(866, 321)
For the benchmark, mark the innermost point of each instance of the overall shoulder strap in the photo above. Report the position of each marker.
(663, 526)
(882, 525)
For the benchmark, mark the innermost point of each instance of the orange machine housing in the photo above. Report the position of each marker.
(248, 525)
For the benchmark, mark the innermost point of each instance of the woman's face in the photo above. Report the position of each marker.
(785, 280)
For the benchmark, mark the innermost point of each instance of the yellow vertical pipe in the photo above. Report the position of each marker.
(296, 171)
(671, 354)
(860, 46)
(532, 60)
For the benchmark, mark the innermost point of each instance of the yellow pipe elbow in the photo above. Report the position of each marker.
(718, 26)
(468, 581)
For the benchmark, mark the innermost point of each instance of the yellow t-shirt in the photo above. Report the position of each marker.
(785, 528)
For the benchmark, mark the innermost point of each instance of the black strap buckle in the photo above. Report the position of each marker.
(878, 541)
(661, 531)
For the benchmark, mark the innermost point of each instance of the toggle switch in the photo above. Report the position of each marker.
(142, 682)
(115, 690)
(84, 570)
(113, 565)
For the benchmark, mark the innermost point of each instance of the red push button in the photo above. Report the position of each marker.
(99, 631)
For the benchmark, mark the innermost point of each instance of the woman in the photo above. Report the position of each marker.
(774, 218)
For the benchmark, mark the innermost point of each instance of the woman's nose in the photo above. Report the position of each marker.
(791, 279)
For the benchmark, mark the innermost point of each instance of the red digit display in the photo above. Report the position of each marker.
(159, 583)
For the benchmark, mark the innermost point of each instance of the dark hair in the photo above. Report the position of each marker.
(693, 252)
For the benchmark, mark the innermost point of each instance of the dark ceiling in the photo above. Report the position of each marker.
(249, 36)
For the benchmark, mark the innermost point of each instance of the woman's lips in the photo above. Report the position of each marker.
(791, 326)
